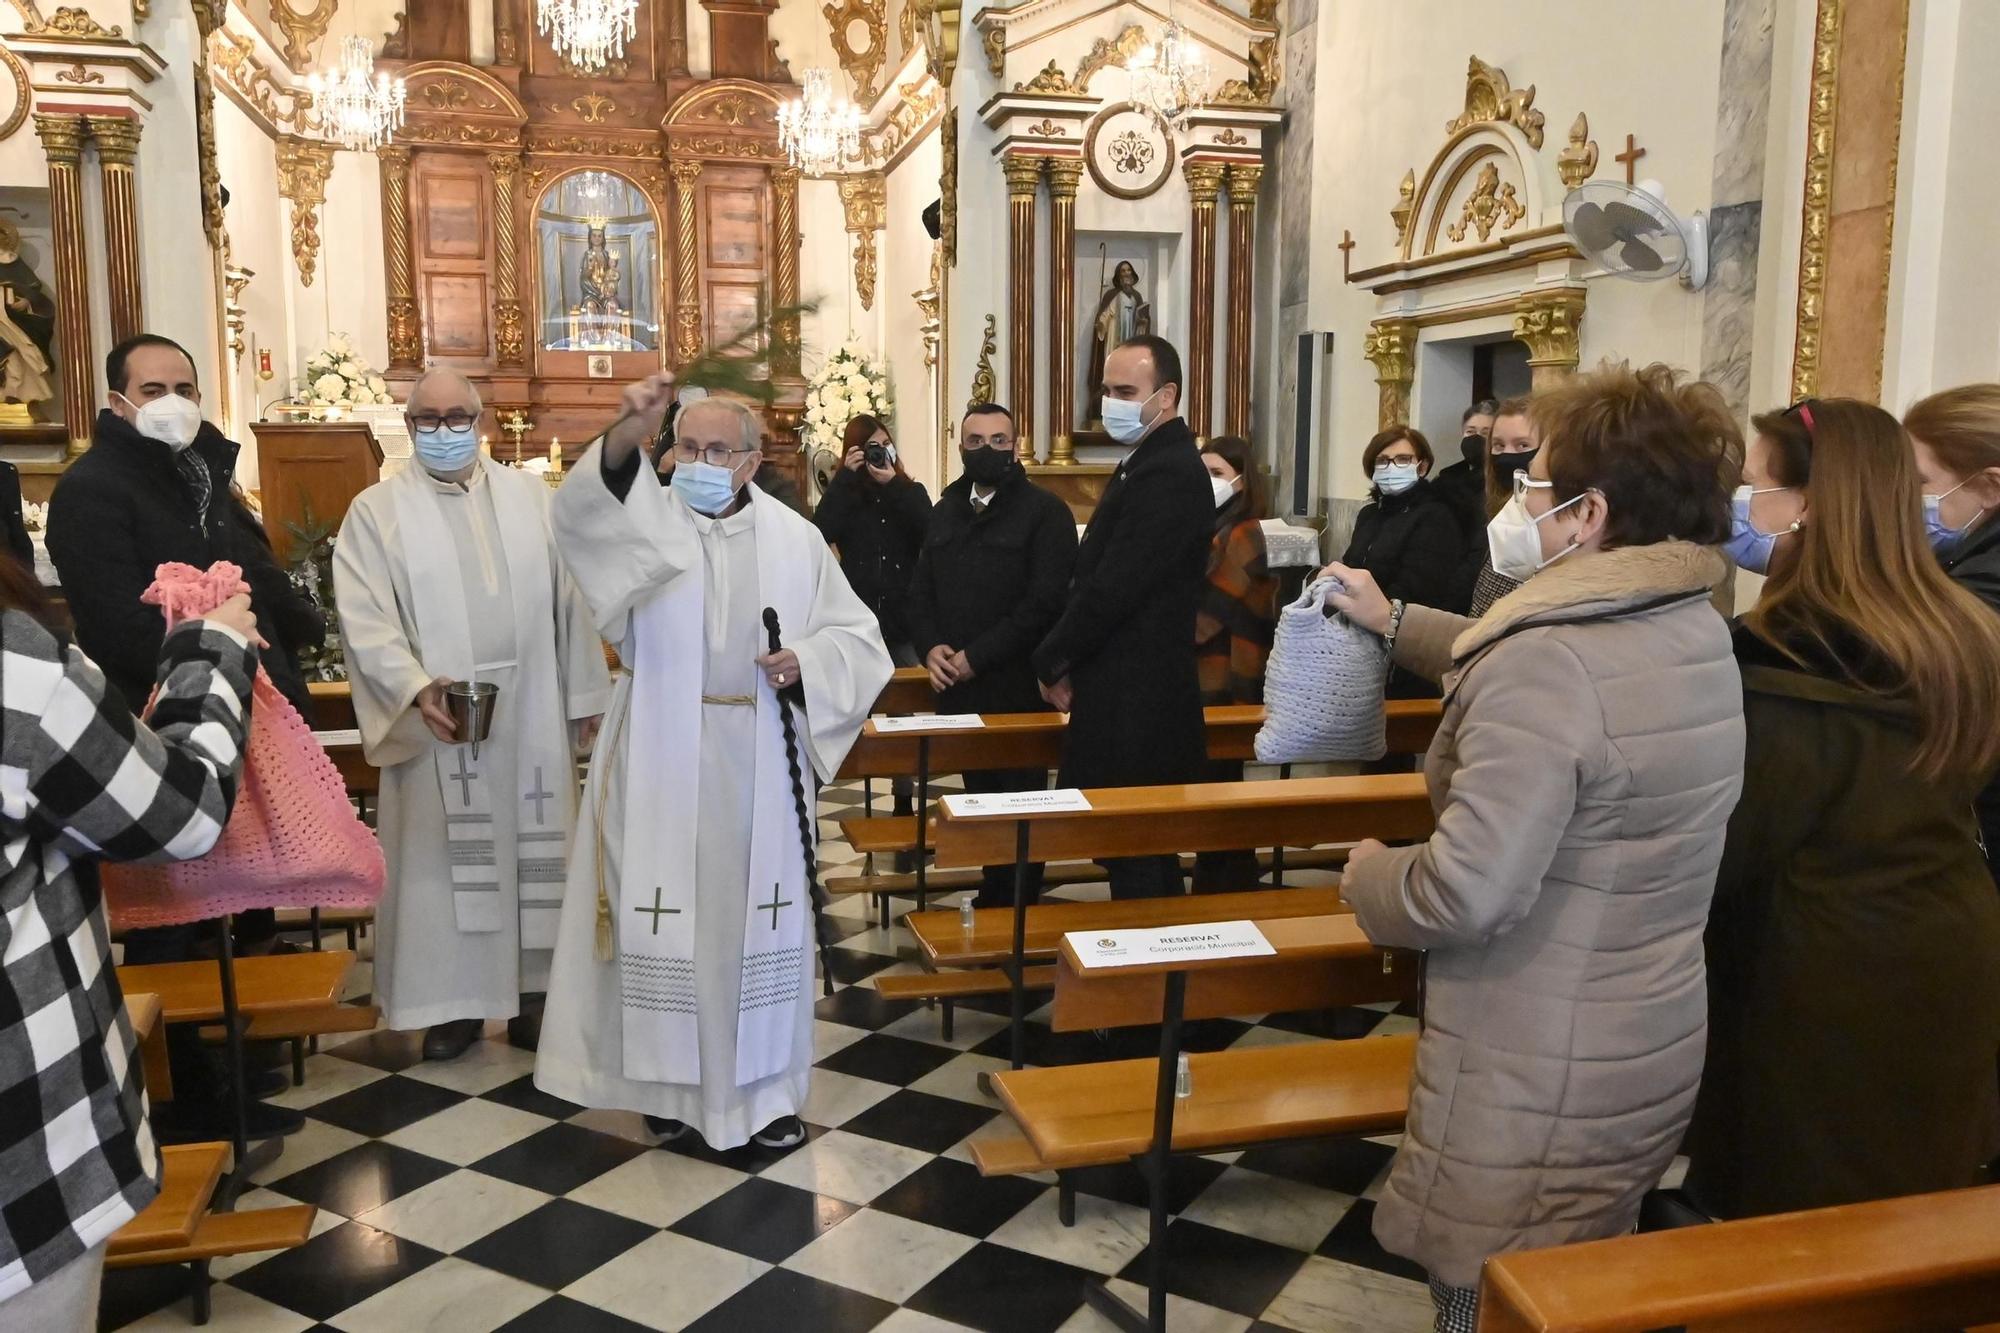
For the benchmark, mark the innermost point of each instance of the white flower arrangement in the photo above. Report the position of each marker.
(339, 376)
(848, 385)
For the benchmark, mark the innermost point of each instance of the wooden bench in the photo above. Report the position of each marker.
(1926, 1262)
(1091, 1115)
(1198, 817)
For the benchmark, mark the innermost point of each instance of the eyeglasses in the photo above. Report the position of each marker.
(1397, 460)
(428, 422)
(1523, 483)
(714, 455)
(988, 442)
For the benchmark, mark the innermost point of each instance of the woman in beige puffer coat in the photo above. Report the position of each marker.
(1590, 754)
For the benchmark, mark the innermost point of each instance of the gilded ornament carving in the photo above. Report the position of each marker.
(18, 116)
(728, 109)
(458, 131)
(1264, 11)
(927, 300)
(1391, 346)
(78, 74)
(1050, 80)
(75, 21)
(117, 139)
(1406, 203)
(985, 385)
(1818, 197)
(396, 45)
(1105, 52)
(1229, 138)
(1489, 100)
(687, 268)
(862, 64)
(1048, 129)
(597, 145)
(235, 279)
(302, 31)
(865, 268)
(232, 61)
(207, 169)
(405, 338)
(1489, 205)
(509, 327)
(1204, 179)
(1577, 163)
(948, 189)
(453, 95)
(865, 202)
(995, 43)
(1257, 89)
(916, 103)
(62, 138)
(1549, 323)
(594, 107)
(303, 168)
(786, 343)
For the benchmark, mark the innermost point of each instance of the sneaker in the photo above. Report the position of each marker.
(664, 1130)
(448, 1041)
(784, 1132)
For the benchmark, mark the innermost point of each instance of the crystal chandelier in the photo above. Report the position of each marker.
(358, 106)
(820, 130)
(590, 34)
(1170, 76)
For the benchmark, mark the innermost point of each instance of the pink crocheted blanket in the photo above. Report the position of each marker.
(293, 838)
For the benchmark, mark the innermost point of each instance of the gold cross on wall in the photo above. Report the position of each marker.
(1630, 157)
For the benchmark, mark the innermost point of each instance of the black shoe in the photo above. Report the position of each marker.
(524, 1031)
(785, 1132)
(448, 1041)
(664, 1130)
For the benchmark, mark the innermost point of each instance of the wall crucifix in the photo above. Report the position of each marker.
(1630, 157)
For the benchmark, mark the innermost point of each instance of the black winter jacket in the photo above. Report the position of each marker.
(991, 582)
(1411, 543)
(1975, 564)
(1462, 487)
(878, 530)
(121, 511)
(1126, 637)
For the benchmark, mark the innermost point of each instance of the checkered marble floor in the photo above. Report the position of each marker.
(456, 1196)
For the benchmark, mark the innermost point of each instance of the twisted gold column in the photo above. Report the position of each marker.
(1243, 179)
(1064, 175)
(509, 328)
(406, 343)
(785, 287)
(62, 144)
(687, 273)
(1204, 180)
(117, 148)
(1024, 175)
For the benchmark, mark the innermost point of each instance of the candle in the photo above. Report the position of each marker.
(555, 454)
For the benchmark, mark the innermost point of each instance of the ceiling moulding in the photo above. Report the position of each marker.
(248, 69)
(902, 117)
(1010, 38)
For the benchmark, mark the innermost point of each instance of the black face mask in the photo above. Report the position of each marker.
(987, 467)
(1473, 448)
(1506, 465)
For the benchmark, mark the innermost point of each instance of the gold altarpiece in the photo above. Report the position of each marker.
(487, 189)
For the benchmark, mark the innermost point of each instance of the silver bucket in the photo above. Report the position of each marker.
(470, 703)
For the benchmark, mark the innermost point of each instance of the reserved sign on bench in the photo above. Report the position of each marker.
(1169, 944)
(967, 805)
(885, 726)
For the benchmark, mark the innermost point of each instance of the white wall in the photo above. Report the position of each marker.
(176, 263)
(904, 267)
(1390, 76)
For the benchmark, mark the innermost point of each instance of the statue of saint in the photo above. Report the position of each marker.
(1122, 312)
(27, 332)
(598, 277)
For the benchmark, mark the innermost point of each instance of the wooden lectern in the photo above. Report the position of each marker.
(312, 466)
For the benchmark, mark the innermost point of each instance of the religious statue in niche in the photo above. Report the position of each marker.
(597, 252)
(1122, 312)
(27, 333)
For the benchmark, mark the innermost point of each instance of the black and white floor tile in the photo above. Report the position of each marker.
(458, 1197)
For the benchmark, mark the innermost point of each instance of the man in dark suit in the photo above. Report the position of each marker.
(1121, 659)
(991, 580)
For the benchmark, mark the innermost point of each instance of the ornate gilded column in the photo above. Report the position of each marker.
(509, 328)
(303, 167)
(1391, 344)
(1549, 323)
(785, 285)
(1243, 178)
(687, 270)
(506, 35)
(1204, 181)
(864, 199)
(62, 144)
(1064, 174)
(406, 343)
(1024, 175)
(117, 148)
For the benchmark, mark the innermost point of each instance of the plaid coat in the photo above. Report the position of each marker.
(1238, 616)
(82, 780)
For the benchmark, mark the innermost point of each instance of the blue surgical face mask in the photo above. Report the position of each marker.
(1942, 537)
(708, 489)
(1748, 547)
(446, 449)
(1125, 420)
(1395, 478)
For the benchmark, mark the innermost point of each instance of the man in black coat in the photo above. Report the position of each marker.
(134, 501)
(1121, 659)
(990, 582)
(1462, 485)
(154, 487)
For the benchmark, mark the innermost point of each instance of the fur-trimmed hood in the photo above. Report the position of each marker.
(1597, 583)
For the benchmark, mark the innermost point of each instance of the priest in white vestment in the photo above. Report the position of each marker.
(683, 985)
(445, 572)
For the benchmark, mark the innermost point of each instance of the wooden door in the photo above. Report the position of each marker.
(451, 215)
(735, 237)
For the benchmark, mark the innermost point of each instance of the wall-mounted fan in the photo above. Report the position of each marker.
(824, 463)
(1630, 231)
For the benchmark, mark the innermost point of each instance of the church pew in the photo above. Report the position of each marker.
(1929, 1261)
(1094, 1114)
(1198, 817)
